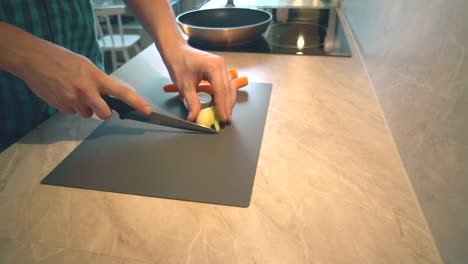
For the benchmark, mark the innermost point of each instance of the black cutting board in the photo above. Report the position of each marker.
(131, 157)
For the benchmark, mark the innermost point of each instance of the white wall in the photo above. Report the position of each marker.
(416, 53)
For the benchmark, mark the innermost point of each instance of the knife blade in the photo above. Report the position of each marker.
(125, 111)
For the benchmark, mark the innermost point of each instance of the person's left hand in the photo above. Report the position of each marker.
(188, 66)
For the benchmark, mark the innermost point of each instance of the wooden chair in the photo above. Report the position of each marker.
(114, 42)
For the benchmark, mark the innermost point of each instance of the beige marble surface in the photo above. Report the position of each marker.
(13, 251)
(329, 188)
(416, 56)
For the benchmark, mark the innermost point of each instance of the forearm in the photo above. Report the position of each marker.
(19, 50)
(157, 18)
(13, 47)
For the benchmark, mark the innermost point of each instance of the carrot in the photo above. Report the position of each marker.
(241, 82)
(206, 88)
(170, 88)
(232, 73)
(173, 88)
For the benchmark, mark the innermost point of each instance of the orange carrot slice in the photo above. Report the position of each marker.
(206, 88)
(173, 88)
(241, 82)
(232, 73)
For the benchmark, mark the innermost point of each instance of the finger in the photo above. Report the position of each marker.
(229, 98)
(218, 81)
(193, 103)
(233, 86)
(68, 110)
(100, 108)
(83, 110)
(227, 95)
(119, 90)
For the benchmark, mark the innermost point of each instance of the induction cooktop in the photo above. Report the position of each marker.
(295, 31)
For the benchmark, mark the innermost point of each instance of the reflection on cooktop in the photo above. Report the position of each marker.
(296, 31)
(258, 45)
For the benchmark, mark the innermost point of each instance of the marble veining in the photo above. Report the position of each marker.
(330, 187)
(19, 252)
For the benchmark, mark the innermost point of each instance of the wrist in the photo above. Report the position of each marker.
(174, 52)
(170, 49)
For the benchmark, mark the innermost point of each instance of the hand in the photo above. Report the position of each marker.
(188, 66)
(73, 84)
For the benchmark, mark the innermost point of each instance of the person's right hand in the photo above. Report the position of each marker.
(65, 80)
(73, 84)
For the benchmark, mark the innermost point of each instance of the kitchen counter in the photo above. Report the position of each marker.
(330, 186)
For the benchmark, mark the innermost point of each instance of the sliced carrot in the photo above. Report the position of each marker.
(206, 87)
(232, 73)
(170, 88)
(241, 82)
(173, 88)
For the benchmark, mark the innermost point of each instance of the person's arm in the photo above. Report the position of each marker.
(65, 80)
(187, 66)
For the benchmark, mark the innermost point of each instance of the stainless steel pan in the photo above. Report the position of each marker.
(224, 26)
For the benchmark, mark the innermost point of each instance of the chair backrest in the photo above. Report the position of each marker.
(106, 13)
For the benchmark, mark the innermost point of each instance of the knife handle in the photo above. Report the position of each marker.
(119, 106)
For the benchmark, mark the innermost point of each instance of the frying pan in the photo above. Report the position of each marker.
(224, 26)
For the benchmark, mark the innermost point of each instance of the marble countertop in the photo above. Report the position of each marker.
(330, 186)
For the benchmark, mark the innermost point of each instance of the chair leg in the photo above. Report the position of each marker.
(114, 60)
(137, 48)
(125, 54)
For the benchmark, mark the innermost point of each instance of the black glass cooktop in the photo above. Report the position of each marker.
(296, 31)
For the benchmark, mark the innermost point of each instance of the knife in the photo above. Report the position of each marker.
(127, 112)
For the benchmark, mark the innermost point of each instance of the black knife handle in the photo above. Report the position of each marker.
(122, 108)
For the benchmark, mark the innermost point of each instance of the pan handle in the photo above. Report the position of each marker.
(230, 3)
